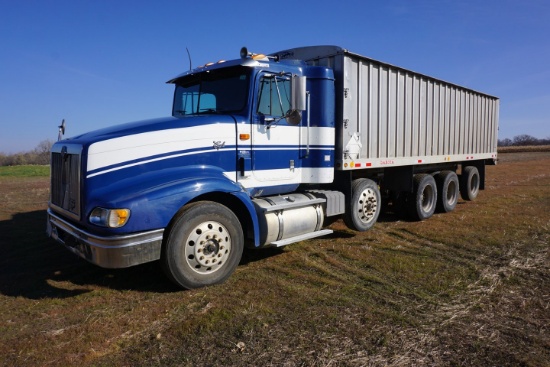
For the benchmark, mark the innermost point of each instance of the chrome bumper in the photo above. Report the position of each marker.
(108, 252)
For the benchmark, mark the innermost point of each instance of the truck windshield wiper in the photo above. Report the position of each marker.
(207, 110)
(213, 111)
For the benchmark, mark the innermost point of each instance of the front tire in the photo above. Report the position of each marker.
(204, 245)
(365, 205)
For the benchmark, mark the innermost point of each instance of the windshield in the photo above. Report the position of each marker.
(213, 91)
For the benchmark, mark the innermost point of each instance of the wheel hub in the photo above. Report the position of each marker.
(367, 206)
(211, 248)
(207, 247)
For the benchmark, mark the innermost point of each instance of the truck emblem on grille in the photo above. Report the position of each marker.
(219, 144)
(64, 153)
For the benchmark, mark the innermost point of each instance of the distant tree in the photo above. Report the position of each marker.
(42, 152)
(524, 139)
(505, 142)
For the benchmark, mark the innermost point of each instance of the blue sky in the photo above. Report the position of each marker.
(100, 63)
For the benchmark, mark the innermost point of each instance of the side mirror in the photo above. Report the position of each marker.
(298, 93)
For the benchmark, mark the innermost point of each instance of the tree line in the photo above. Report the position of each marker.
(523, 140)
(41, 154)
(38, 156)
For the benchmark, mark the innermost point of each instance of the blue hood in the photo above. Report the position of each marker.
(129, 128)
(138, 127)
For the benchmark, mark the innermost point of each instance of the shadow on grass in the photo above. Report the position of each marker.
(34, 266)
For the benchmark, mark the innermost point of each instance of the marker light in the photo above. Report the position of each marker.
(113, 218)
(259, 57)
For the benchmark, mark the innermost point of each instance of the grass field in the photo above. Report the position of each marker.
(467, 288)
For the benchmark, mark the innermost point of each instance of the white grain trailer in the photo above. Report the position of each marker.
(408, 132)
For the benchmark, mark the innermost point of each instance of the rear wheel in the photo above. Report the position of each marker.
(422, 201)
(204, 245)
(469, 183)
(447, 190)
(365, 205)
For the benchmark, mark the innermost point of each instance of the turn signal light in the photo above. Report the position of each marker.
(113, 218)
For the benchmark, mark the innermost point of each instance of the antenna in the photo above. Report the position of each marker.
(61, 130)
(189, 56)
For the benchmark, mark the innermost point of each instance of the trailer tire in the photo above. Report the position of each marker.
(469, 183)
(447, 191)
(364, 207)
(423, 200)
(204, 245)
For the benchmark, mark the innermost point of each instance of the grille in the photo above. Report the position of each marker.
(65, 181)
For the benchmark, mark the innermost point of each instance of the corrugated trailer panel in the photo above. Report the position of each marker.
(399, 113)
(391, 116)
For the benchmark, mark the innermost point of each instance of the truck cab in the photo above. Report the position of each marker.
(242, 139)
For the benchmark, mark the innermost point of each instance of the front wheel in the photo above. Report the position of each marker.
(204, 245)
(364, 207)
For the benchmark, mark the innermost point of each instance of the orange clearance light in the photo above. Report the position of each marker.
(244, 136)
(352, 164)
(258, 57)
(346, 165)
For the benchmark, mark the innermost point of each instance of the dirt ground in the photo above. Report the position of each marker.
(467, 288)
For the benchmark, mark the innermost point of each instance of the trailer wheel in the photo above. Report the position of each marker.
(469, 183)
(365, 204)
(422, 202)
(204, 245)
(447, 190)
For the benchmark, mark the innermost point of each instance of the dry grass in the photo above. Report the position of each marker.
(468, 288)
(524, 149)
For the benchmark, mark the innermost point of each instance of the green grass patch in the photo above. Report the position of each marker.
(25, 171)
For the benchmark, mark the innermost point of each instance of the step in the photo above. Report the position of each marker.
(302, 237)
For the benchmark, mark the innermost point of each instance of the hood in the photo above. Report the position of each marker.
(148, 141)
(144, 126)
(129, 128)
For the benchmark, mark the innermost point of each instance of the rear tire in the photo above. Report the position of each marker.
(469, 183)
(204, 245)
(447, 191)
(423, 200)
(364, 207)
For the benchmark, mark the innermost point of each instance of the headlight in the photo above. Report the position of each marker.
(113, 218)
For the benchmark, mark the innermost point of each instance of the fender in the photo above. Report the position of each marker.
(155, 197)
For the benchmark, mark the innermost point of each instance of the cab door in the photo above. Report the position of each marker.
(275, 142)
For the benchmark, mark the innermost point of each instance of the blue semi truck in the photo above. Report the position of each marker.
(266, 150)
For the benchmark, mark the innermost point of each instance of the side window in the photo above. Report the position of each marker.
(274, 96)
